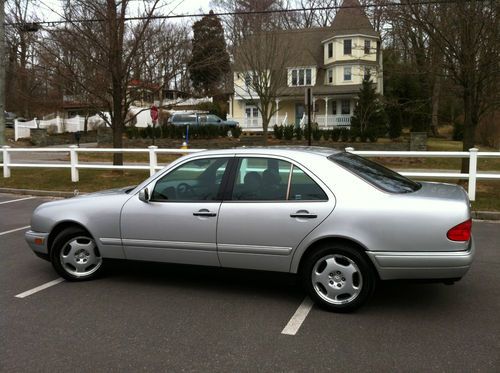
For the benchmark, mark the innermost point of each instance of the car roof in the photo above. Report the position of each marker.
(289, 151)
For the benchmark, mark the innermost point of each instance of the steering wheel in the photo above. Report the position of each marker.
(186, 189)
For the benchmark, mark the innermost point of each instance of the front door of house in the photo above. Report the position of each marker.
(299, 113)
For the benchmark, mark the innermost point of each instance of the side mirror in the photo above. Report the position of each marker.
(144, 195)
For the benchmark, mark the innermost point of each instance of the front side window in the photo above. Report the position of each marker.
(367, 73)
(330, 76)
(347, 46)
(347, 73)
(197, 180)
(269, 179)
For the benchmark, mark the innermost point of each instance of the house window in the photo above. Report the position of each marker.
(334, 107)
(330, 50)
(301, 77)
(345, 107)
(367, 46)
(347, 46)
(329, 76)
(347, 73)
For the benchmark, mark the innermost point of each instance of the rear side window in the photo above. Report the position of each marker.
(376, 174)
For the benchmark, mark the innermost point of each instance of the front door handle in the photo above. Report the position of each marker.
(205, 213)
(303, 214)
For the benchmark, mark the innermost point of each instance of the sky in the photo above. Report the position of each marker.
(48, 10)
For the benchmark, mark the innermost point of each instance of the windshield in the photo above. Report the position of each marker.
(376, 174)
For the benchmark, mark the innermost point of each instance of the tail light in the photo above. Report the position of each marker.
(460, 232)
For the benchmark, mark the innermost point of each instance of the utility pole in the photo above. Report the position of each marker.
(3, 61)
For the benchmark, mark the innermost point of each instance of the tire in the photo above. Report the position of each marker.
(75, 256)
(338, 277)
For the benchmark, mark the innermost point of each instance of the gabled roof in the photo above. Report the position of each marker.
(351, 19)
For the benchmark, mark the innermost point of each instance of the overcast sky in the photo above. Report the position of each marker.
(49, 10)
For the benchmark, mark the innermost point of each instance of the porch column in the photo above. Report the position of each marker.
(326, 112)
(278, 111)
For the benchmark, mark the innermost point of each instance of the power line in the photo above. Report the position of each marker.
(252, 12)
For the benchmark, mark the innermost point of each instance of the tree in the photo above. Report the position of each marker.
(210, 60)
(260, 63)
(369, 120)
(467, 33)
(95, 59)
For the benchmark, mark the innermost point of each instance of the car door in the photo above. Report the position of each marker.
(270, 206)
(178, 223)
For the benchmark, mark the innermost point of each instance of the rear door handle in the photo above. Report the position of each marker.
(205, 213)
(303, 214)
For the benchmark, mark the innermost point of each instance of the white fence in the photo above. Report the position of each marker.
(56, 125)
(324, 121)
(473, 155)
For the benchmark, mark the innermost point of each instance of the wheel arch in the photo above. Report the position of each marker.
(61, 226)
(337, 240)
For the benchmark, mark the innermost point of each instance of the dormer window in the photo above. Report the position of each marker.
(330, 50)
(367, 46)
(329, 76)
(347, 46)
(300, 77)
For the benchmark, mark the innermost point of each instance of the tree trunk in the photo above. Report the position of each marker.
(265, 126)
(435, 106)
(469, 126)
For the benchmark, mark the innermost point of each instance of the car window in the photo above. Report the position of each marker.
(302, 187)
(213, 118)
(261, 179)
(197, 180)
(202, 119)
(376, 174)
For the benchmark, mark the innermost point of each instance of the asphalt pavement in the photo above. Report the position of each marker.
(164, 317)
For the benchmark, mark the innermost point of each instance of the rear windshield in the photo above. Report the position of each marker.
(184, 118)
(375, 174)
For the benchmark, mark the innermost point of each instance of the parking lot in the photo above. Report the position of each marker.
(160, 317)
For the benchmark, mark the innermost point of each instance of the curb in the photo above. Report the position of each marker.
(41, 193)
(480, 215)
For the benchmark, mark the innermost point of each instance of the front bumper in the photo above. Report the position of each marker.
(38, 242)
(422, 265)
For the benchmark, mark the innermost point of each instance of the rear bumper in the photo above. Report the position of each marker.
(38, 242)
(422, 265)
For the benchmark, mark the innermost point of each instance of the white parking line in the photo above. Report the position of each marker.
(14, 230)
(16, 200)
(40, 288)
(298, 317)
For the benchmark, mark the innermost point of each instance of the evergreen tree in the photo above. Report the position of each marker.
(210, 61)
(369, 119)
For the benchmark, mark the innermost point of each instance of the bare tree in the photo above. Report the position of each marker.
(261, 63)
(468, 35)
(95, 59)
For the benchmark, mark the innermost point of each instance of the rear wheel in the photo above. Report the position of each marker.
(75, 256)
(338, 277)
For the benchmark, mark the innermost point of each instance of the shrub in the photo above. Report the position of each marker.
(236, 132)
(316, 134)
(278, 131)
(299, 133)
(336, 134)
(344, 135)
(288, 132)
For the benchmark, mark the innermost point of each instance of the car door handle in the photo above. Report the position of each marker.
(303, 214)
(205, 213)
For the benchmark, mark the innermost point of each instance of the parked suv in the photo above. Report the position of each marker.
(184, 119)
(9, 119)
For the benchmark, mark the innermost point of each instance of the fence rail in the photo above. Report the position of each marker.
(153, 151)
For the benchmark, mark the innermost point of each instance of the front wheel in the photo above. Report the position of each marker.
(75, 256)
(338, 277)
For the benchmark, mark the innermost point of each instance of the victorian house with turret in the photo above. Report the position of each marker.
(332, 61)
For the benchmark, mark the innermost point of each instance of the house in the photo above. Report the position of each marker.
(331, 60)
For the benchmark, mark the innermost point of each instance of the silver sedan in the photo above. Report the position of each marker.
(339, 221)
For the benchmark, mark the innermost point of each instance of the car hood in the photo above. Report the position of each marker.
(113, 191)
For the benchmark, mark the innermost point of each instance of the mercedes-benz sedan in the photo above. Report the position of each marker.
(339, 221)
